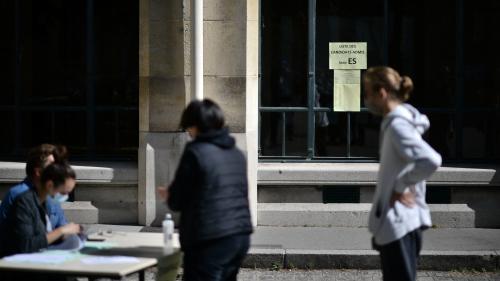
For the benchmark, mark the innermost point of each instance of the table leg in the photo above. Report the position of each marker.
(142, 275)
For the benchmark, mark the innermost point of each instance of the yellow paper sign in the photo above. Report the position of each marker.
(346, 90)
(351, 55)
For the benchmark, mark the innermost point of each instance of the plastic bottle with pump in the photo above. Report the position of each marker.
(168, 234)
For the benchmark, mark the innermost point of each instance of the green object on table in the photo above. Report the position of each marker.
(168, 266)
(99, 245)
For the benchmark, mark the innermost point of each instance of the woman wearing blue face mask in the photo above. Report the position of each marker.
(28, 225)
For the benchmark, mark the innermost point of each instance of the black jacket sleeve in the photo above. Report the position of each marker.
(180, 191)
(27, 238)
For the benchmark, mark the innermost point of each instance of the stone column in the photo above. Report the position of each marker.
(162, 97)
(231, 73)
(230, 79)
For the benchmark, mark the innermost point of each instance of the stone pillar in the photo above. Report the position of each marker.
(231, 73)
(162, 97)
(230, 78)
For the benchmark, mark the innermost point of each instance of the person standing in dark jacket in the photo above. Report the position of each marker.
(210, 190)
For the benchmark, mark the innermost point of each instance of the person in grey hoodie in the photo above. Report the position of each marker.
(399, 211)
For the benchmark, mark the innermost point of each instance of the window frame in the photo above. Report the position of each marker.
(456, 110)
(90, 108)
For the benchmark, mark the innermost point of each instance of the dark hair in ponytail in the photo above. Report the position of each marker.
(405, 88)
(389, 79)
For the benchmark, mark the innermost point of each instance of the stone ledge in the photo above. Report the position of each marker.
(352, 215)
(82, 212)
(86, 172)
(360, 174)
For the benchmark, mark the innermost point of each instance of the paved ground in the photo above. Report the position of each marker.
(346, 275)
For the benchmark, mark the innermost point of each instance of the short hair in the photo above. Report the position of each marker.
(58, 173)
(37, 156)
(205, 115)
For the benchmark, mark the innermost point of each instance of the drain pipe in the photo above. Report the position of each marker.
(197, 49)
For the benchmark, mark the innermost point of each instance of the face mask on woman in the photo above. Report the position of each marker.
(60, 197)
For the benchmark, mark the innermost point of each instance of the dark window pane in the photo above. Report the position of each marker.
(67, 72)
(117, 91)
(284, 53)
(53, 67)
(116, 49)
(271, 134)
(37, 128)
(422, 45)
(71, 130)
(128, 131)
(481, 59)
(106, 132)
(481, 136)
(331, 140)
(364, 135)
(7, 52)
(117, 133)
(294, 139)
(8, 136)
(296, 134)
(441, 135)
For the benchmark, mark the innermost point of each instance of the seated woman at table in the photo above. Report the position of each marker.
(28, 228)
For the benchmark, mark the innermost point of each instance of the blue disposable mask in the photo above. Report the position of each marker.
(60, 197)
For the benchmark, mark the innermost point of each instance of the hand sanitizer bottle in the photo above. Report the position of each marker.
(168, 234)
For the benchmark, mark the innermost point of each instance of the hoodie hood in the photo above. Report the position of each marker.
(221, 138)
(409, 113)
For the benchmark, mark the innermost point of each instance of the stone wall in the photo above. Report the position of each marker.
(230, 79)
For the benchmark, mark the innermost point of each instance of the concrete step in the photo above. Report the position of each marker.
(350, 248)
(82, 212)
(352, 215)
(367, 259)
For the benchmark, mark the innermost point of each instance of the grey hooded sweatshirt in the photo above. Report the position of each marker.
(406, 161)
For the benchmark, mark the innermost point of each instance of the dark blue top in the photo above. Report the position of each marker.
(210, 190)
(53, 208)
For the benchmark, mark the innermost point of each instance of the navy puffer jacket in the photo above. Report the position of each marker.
(210, 190)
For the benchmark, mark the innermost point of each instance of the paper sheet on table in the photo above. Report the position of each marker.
(99, 245)
(108, 260)
(346, 90)
(48, 257)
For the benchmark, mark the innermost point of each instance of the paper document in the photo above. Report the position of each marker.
(108, 260)
(347, 55)
(99, 245)
(346, 90)
(47, 257)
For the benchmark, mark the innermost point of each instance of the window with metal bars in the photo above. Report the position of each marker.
(436, 45)
(70, 77)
